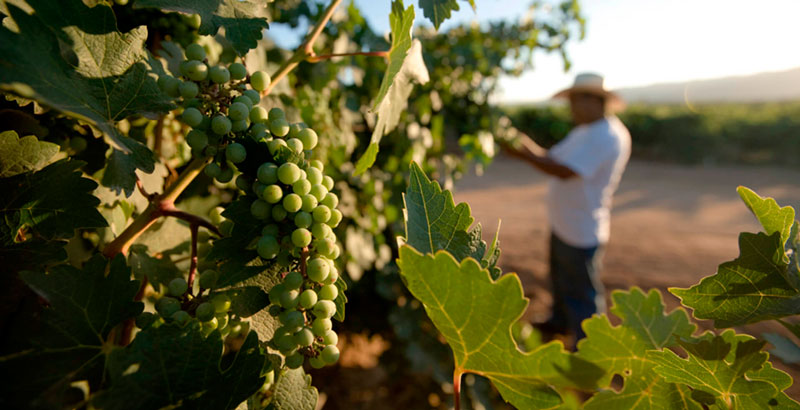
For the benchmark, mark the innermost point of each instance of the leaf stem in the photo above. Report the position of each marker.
(305, 50)
(318, 58)
(457, 389)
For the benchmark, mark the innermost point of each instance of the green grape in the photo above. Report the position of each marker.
(293, 280)
(238, 111)
(238, 71)
(270, 229)
(267, 173)
(245, 328)
(273, 193)
(292, 203)
(145, 319)
(278, 213)
(259, 80)
(317, 269)
(259, 130)
(294, 361)
(285, 343)
(222, 320)
(301, 237)
(269, 379)
(294, 129)
(308, 298)
(192, 117)
(235, 152)
(195, 52)
(221, 302)
(268, 247)
(279, 127)
(196, 70)
(172, 87)
(244, 100)
(308, 137)
(208, 279)
(304, 337)
(226, 227)
(243, 182)
(315, 163)
(289, 299)
(184, 67)
(328, 292)
(177, 287)
(275, 294)
(258, 115)
(316, 362)
(288, 173)
(236, 329)
(197, 140)
(181, 317)
(292, 319)
(219, 75)
(327, 182)
(321, 213)
(164, 82)
(295, 144)
(333, 276)
(210, 151)
(253, 95)
(225, 176)
(318, 191)
(260, 209)
(188, 89)
(240, 126)
(336, 217)
(221, 125)
(309, 203)
(205, 312)
(330, 338)
(320, 326)
(324, 246)
(275, 145)
(330, 354)
(330, 200)
(303, 220)
(301, 187)
(314, 176)
(275, 113)
(322, 231)
(210, 326)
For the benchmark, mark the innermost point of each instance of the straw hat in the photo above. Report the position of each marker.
(593, 84)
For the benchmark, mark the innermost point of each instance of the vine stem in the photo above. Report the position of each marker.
(305, 50)
(318, 58)
(457, 389)
(193, 263)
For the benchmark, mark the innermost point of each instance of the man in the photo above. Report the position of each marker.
(585, 169)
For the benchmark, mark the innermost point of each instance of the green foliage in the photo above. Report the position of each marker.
(438, 11)
(71, 340)
(23, 154)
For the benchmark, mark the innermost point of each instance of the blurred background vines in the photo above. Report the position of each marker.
(392, 356)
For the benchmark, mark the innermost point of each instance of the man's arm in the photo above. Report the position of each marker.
(532, 153)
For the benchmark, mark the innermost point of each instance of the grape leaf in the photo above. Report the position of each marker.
(438, 11)
(725, 371)
(18, 155)
(475, 315)
(434, 222)
(157, 270)
(72, 341)
(405, 66)
(170, 365)
(621, 350)
(71, 58)
(769, 214)
(293, 391)
(242, 20)
(756, 285)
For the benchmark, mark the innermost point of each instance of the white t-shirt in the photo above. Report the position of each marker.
(580, 206)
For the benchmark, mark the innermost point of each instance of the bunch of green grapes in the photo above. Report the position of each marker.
(220, 109)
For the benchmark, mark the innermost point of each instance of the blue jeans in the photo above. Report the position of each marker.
(577, 292)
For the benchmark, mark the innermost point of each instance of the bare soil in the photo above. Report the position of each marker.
(671, 226)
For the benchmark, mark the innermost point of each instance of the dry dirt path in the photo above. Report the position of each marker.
(671, 225)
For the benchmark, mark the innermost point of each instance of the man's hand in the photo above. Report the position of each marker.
(532, 153)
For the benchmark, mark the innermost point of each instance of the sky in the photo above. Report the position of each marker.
(641, 42)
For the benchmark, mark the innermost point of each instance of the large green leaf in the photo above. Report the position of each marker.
(438, 11)
(173, 365)
(18, 155)
(434, 222)
(293, 391)
(474, 314)
(621, 350)
(770, 215)
(243, 20)
(72, 340)
(71, 58)
(728, 371)
(406, 67)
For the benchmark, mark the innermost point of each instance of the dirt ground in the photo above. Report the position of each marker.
(671, 226)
